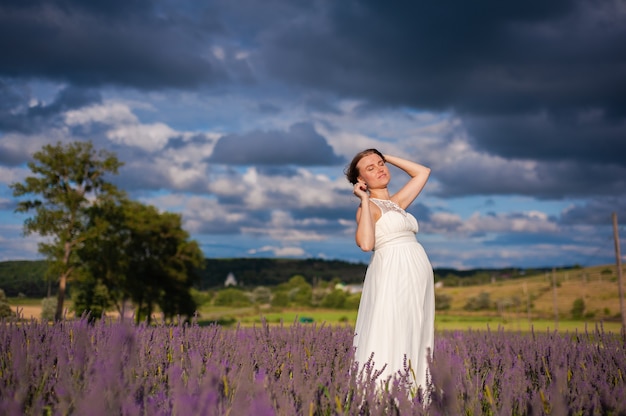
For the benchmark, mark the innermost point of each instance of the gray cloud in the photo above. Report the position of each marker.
(300, 145)
(21, 112)
(541, 80)
(177, 143)
(544, 180)
(595, 212)
(136, 43)
(492, 57)
(587, 135)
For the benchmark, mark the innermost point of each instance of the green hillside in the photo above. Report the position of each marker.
(535, 296)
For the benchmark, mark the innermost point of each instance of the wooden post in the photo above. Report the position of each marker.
(618, 258)
(556, 308)
(527, 293)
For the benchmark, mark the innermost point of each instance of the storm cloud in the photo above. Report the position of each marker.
(300, 145)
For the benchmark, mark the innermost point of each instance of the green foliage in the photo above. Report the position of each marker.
(232, 297)
(68, 180)
(319, 293)
(143, 255)
(280, 299)
(335, 299)
(5, 308)
(200, 297)
(443, 302)
(578, 309)
(90, 296)
(261, 295)
(353, 301)
(301, 295)
(294, 282)
(479, 303)
(340, 299)
(299, 291)
(48, 308)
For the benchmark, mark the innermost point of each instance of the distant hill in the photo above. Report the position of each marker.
(28, 277)
(25, 277)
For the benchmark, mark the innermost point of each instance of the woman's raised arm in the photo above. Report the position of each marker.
(419, 175)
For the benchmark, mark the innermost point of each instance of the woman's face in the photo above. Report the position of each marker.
(373, 171)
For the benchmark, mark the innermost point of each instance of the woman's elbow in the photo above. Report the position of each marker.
(365, 246)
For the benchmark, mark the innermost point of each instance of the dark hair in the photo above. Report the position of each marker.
(351, 172)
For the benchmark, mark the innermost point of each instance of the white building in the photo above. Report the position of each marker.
(230, 280)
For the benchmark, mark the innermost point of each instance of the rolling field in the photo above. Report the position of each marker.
(529, 306)
(597, 286)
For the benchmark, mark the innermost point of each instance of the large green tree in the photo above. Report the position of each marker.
(68, 180)
(142, 255)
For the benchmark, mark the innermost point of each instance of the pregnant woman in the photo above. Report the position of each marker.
(395, 321)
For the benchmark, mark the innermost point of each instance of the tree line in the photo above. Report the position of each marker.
(28, 278)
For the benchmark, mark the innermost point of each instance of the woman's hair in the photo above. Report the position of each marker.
(352, 172)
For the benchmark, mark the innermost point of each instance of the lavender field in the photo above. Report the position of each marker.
(74, 367)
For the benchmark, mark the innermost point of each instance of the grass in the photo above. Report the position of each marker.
(24, 301)
(331, 316)
(444, 321)
(464, 323)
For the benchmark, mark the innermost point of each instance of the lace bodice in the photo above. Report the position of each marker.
(386, 205)
(393, 222)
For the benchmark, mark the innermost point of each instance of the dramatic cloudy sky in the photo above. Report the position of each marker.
(241, 115)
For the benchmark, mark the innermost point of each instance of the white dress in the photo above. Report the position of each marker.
(397, 309)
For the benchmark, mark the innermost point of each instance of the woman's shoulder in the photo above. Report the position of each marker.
(375, 210)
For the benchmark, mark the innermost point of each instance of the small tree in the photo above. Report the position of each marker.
(335, 299)
(68, 180)
(442, 301)
(262, 295)
(232, 297)
(300, 292)
(48, 308)
(478, 303)
(5, 308)
(280, 299)
(353, 301)
(578, 308)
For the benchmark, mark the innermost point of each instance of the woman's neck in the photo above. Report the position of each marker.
(379, 193)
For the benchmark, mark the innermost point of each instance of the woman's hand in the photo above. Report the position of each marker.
(419, 175)
(360, 190)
